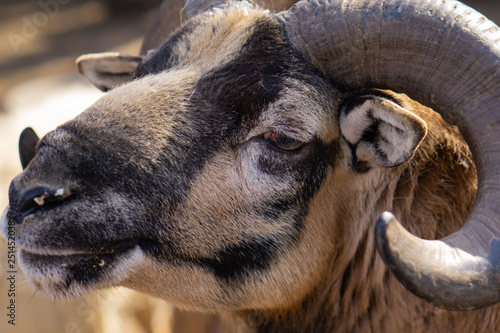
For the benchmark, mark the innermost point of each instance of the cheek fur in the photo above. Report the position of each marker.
(245, 235)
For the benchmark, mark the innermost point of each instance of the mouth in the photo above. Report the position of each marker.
(67, 273)
(62, 267)
(72, 259)
(69, 276)
(71, 269)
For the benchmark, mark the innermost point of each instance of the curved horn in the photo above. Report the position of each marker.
(447, 56)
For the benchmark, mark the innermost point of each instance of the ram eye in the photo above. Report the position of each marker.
(282, 142)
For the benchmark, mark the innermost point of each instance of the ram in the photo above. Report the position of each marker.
(246, 167)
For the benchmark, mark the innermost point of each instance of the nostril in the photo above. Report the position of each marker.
(37, 197)
(40, 194)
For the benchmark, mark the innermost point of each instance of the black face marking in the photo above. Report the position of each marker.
(230, 264)
(252, 81)
(162, 59)
(235, 261)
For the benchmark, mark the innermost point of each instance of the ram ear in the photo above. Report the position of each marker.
(107, 70)
(27, 146)
(379, 132)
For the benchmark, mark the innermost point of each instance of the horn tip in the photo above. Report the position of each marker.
(383, 228)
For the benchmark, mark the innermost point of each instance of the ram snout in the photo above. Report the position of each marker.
(62, 253)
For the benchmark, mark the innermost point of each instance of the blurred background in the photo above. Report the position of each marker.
(39, 87)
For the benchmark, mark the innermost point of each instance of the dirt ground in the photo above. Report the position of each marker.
(39, 87)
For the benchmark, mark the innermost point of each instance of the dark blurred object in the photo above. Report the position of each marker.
(131, 5)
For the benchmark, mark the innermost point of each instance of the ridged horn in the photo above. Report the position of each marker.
(446, 56)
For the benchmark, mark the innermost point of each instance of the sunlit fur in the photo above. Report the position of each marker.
(170, 189)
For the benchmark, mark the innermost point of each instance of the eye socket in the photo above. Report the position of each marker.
(282, 142)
